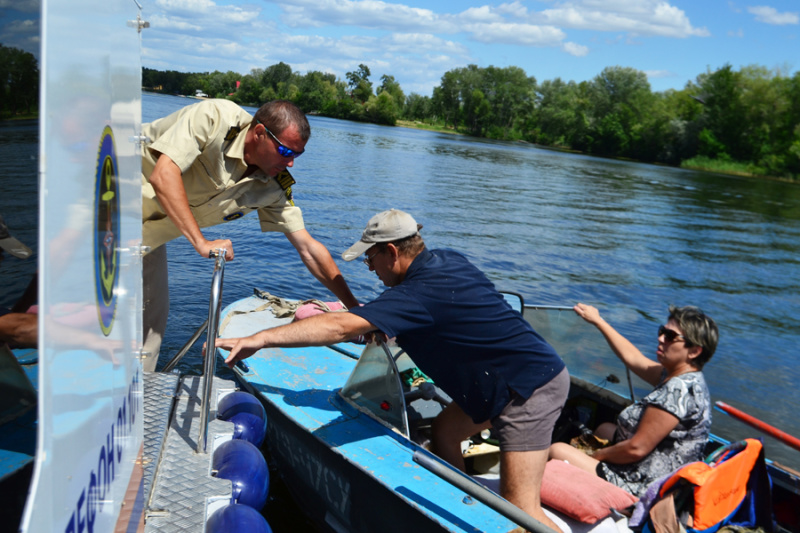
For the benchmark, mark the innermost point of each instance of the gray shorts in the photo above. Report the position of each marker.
(527, 425)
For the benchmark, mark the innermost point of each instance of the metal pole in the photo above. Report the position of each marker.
(178, 356)
(481, 493)
(209, 357)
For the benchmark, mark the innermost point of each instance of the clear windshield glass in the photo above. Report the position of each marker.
(584, 349)
(374, 385)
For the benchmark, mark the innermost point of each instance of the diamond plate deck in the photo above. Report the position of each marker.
(159, 393)
(183, 483)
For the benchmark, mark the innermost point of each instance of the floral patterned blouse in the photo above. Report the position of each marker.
(686, 396)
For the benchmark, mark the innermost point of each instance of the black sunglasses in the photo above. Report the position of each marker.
(284, 150)
(669, 335)
(368, 259)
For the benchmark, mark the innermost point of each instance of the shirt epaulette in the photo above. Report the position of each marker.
(285, 180)
(232, 133)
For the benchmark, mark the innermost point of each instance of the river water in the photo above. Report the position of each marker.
(557, 227)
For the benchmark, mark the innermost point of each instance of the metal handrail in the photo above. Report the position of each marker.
(480, 493)
(185, 348)
(209, 357)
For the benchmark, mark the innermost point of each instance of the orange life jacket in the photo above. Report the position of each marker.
(719, 488)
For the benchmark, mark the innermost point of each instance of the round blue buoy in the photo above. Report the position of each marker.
(242, 463)
(247, 415)
(235, 517)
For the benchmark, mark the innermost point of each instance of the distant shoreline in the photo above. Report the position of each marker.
(702, 168)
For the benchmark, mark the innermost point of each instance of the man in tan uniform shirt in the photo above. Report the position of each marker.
(210, 163)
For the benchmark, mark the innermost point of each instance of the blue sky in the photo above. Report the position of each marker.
(418, 41)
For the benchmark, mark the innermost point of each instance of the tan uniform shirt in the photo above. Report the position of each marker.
(206, 140)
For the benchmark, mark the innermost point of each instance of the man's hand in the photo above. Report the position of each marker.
(240, 348)
(206, 247)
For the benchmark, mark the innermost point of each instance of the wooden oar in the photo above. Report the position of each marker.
(772, 431)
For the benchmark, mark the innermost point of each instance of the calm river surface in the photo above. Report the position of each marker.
(559, 228)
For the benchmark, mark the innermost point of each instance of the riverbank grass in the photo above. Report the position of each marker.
(724, 166)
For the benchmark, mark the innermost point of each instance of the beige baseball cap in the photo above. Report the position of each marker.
(386, 226)
(12, 245)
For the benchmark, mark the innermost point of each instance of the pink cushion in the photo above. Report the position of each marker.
(581, 495)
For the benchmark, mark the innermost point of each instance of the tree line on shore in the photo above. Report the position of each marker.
(745, 121)
(19, 82)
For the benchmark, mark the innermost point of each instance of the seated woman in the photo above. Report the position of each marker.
(670, 426)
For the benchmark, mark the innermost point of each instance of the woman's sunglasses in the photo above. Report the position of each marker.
(669, 335)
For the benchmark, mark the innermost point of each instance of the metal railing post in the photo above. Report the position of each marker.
(210, 357)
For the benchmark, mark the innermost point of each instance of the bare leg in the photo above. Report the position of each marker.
(575, 457)
(521, 482)
(450, 428)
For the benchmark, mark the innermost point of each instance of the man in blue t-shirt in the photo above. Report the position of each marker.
(450, 319)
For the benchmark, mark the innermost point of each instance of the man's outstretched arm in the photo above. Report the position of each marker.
(319, 262)
(320, 330)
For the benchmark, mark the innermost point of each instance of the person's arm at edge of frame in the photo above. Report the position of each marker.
(630, 355)
(167, 182)
(320, 330)
(319, 262)
(654, 427)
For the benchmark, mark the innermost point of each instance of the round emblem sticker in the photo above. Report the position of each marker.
(106, 231)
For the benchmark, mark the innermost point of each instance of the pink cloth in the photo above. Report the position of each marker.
(314, 308)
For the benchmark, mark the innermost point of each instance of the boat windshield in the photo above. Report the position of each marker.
(374, 385)
(584, 349)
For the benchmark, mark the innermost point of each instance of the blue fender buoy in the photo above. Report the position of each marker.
(234, 517)
(242, 463)
(247, 414)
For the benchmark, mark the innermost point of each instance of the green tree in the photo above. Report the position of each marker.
(722, 113)
(620, 98)
(359, 84)
(446, 101)
(418, 107)
(277, 77)
(390, 86)
(19, 81)
(315, 89)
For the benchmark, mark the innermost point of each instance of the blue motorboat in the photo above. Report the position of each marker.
(349, 426)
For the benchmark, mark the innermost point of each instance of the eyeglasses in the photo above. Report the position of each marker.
(669, 335)
(284, 150)
(369, 258)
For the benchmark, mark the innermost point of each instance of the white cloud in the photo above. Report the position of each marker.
(642, 18)
(577, 50)
(202, 13)
(770, 15)
(736, 33)
(195, 6)
(24, 6)
(659, 74)
(161, 22)
(519, 34)
(372, 14)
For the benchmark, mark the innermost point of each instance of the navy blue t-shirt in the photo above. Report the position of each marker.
(459, 330)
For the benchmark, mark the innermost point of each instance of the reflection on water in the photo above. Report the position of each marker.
(557, 227)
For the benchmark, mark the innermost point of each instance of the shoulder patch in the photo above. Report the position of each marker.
(285, 180)
(232, 133)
